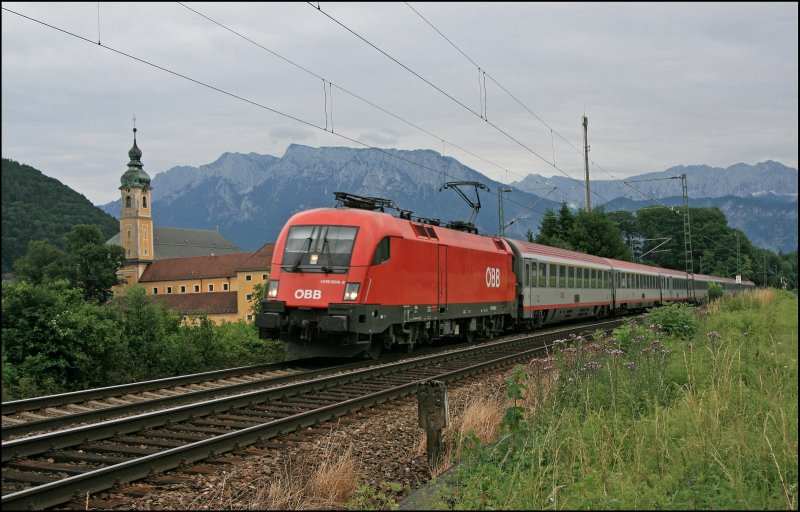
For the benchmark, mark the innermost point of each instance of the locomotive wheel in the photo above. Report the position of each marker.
(375, 349)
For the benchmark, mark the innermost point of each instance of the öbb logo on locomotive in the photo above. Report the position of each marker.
(307, 294)
(492, 277)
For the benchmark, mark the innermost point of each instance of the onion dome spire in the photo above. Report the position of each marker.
(135, 175)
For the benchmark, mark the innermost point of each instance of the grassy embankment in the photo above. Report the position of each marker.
(686, 411)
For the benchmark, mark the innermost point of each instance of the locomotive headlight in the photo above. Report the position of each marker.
(272, 289)
(351, 291)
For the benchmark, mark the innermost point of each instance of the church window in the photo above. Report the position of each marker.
(144, 232)
(224, 287)
(183, 289)
(248, 277)
(211, 287)
(144, 201)
(249, 296)
(127, 201)
(264, 276)
(197, 288)
(249, 317)
(169, 289)
(155, 291)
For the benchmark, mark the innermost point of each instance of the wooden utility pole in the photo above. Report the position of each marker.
(586, 158)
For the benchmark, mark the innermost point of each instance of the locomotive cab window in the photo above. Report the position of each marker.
(382, 251)
(319, 249)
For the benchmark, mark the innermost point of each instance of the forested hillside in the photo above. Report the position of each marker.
(36, 207)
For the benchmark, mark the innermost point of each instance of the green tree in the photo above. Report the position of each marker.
(43, 262)
(594, 233)
(149, 329)
(55, 341)
(88, 262)
(93, 264)
(551, 232)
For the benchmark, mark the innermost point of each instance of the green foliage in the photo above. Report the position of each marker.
(369, 498)
(93, 265)
(514, 427)
(677, 319)
(36, 207)
(660, 422)
(715, 291)
(43, 262)
(594, 233)
(554, 230)
(589, 232)
(88, 263)
(54, 341)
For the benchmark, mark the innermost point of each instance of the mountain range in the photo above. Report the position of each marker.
(250, 196)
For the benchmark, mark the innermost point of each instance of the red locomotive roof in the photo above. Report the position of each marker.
(373, 226)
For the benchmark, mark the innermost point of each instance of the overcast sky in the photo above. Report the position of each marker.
(662, 84)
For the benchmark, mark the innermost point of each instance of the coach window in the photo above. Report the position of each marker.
(542, 275)
(534, 273)
(571, 277)
(382, 251)
(562, 276)
(553, 277)
(527, 274)
(594, 278)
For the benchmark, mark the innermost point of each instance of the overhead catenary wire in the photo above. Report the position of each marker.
(331, 85)
(531, 112)
(232, 95)
(478, 114)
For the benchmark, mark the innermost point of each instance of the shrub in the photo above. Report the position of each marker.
(676, 320)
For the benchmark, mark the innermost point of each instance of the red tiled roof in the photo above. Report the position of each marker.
(198, 267)
(195, 303)
(259, 260)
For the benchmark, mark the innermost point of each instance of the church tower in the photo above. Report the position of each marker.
(136, 219)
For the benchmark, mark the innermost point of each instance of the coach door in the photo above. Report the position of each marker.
(442, 278)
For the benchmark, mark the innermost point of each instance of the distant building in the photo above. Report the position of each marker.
(194, 271)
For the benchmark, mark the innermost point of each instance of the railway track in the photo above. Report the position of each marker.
(47, 413)
(49, 469)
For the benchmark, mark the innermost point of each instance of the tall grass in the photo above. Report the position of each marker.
(685, 411)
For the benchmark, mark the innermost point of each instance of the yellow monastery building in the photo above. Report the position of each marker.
(193, 271)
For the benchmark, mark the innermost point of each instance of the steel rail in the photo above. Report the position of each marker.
(54, 493)
(174, 400)
(41, 402)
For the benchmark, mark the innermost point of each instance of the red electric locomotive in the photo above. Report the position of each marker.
(355, 280)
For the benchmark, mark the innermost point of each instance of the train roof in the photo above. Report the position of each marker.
(374, 225)
(629, 266)
(556, 255)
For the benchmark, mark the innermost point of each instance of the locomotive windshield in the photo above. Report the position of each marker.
(319, 249)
